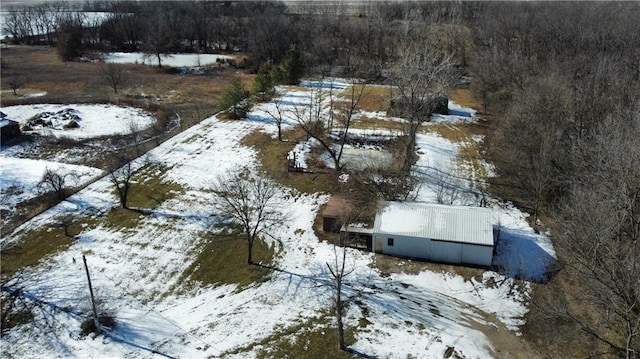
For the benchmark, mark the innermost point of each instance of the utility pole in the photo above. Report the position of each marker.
(96, 321)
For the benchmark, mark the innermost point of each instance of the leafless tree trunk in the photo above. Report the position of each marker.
(419, 74)
(66, 221)
(542, 174)
(114, 75)
(15, 82)
(344, 117)
(56, 181)
(391, 184)
(334, 133)
(606, 267)
(448, 187)
(252, 202)
(338, 273)
(134, 130)
(121, 178)
(278, 115)
(533, 138)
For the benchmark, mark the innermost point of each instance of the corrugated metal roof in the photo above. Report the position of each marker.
(473, 225)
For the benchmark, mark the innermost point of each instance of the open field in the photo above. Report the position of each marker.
(192, 97)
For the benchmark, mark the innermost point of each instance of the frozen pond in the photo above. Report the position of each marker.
(173, 60)
(362, 158)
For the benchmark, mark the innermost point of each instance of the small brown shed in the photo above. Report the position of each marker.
(333, 211)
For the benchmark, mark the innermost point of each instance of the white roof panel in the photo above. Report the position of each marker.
(473, 225)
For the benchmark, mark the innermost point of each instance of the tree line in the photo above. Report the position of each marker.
(329, 36)
(562, 81)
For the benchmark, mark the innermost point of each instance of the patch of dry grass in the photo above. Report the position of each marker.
(375, 98)
(314, 338)
(272, 155)
(389, 264)
(45, 72)
(376, 123)
(465, 97)
(223, 260)
(149, 190)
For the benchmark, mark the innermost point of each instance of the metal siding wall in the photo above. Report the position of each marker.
(377, 243)
(448, 252)
(407, 246)
(478, 255)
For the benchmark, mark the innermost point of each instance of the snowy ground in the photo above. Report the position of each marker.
(23, 165)
(136, 271)
(19, 178)
(173, 60)
(93, 120)
(26, 95)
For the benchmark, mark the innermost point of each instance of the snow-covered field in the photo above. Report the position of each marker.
(137, 271)
(173, 60)
(93, 120)
(19, 178)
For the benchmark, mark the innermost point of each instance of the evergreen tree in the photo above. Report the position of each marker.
(293, 66)
(235, 100)
(263, 84)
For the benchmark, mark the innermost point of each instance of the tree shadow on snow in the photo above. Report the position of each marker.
(322, 279)
(123, 341)
(520, 254)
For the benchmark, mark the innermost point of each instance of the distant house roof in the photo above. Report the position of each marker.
(472, 225)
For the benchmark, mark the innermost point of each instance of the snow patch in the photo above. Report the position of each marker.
(172, 60)
(94, 120)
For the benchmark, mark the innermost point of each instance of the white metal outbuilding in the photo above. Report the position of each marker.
(435, 232)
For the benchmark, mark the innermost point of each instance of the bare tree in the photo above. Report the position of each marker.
(279, 114)
(136, 133)
(392, 184)
(66, 221)
(338, 273)
(598, 239)
(533, 135)
(334, 133)
(606, 267)
(161, 32)
(121, 178)
(15, 82)
(269, 35)
(345, 111)
(114, 75)
(250, 201)
(419, 75)
(56, 181)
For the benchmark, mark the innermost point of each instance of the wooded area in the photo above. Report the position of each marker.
(558, 83)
